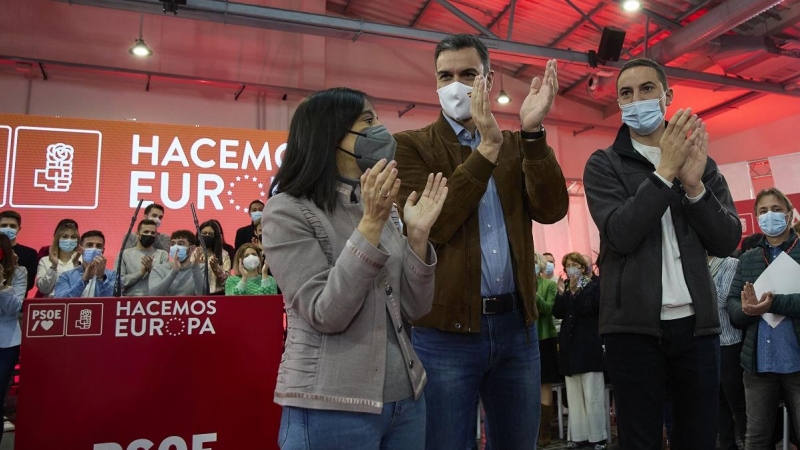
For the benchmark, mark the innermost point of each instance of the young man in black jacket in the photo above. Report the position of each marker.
(660, 204)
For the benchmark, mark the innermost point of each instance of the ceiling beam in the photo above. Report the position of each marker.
(499, 17)
(467, 19)
(421, 12)
(292, 21)
(576, 25)
(280, 90)
(711, 25)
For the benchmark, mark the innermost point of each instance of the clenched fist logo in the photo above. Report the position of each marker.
(57, 174)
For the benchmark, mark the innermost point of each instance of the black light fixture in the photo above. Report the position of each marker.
(172, 5)
(139, 47)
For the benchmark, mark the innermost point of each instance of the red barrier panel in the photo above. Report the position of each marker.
(142, 373)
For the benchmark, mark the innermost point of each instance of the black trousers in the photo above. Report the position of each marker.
(643, 367)
(732, 410)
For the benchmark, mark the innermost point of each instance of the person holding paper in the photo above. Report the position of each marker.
(771, 352)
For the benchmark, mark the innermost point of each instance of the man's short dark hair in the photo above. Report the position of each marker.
(256, 201)
(144, 222)
(645, 62)
(93, 233)
(548, 254)
(460, 41)
(10, 214)
(184, 234)
(777, 194)
(151, 206)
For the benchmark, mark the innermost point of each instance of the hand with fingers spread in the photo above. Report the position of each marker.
(676, 142)
(540, 98)
(481, 109)
(421, 211)
(379, 187)
(691, 174)
(751, 305)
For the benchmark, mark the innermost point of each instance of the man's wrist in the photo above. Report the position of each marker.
(536, 133)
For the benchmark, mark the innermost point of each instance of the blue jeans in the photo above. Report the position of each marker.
(643, 367)
(501, 364)
(401, 426)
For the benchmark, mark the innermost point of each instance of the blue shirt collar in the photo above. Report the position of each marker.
(459, 129)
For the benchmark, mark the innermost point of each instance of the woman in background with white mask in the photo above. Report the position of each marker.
(249, 279)
(580, 354)
(63, 256)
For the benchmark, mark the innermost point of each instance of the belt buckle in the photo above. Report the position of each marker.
(483, 301)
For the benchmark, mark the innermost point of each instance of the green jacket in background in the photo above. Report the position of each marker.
(751, 266)
(546, 291)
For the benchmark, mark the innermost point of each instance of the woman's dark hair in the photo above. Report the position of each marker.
(318, 126)
(9, 262)
(217, 247)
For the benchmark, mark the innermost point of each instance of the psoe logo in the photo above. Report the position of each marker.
(165, 318)
(198, 442)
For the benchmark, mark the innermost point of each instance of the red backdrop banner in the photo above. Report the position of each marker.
(95, 171)
(134, 373)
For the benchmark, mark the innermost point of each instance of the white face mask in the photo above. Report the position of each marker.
(251, 262)
(455, 100)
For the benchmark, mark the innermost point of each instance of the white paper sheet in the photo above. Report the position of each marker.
(781, 277)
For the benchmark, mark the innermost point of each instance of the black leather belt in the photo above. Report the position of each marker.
(501, 303)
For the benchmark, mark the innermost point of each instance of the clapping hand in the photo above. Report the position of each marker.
(421, 211)
(751, 305)
(540, 98)
(196, 255)
(676, 143)
(379, 187)
(481, 110)
(147, 264)
(691, 174)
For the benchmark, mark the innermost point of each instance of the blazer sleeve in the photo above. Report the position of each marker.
(545, 304)
(70, 284)
(45, 278)
(466, 183)
(11, 299)
(418, 280)
(545, 186)
(327, 298)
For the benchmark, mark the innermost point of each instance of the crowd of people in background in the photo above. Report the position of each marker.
(406, 304)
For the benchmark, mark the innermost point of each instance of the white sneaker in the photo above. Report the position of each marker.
(8, 426)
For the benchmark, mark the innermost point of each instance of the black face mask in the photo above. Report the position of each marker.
(147, 240)
(209, 241)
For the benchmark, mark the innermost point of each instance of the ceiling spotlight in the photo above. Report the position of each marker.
(503, 98)
(631, 5)
(139, 47)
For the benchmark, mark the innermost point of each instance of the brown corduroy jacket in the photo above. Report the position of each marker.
(531, 187)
